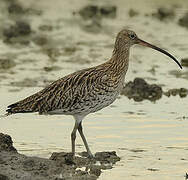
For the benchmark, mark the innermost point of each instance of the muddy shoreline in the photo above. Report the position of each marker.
(59, 166)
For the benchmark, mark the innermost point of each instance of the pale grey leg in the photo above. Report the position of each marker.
(73, 137)
(84, 140)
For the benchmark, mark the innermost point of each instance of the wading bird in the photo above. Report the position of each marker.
(85, 91)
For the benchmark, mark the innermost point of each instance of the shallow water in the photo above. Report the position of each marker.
(151, 138)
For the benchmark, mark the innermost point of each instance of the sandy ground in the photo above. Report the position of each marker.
(150, 137)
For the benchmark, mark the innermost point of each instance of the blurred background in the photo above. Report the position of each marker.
(41, 41)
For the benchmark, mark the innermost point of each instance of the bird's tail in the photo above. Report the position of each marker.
(29, 104)
(20, 107)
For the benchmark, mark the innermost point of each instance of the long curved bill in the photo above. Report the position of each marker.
(144, 43)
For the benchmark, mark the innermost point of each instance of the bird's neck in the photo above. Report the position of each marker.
(119, 61)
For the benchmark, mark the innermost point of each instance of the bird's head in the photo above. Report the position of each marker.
(126, 38)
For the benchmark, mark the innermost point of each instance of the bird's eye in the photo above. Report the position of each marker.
(132, 36)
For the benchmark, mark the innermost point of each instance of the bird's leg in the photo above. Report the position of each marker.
(84, 140)
(73, 137)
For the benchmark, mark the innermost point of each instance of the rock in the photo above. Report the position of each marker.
(45, 27)
(164, 13)
(173, 92)
(89, 11)
(83, 154)
(29, 164)
(63, 158)
(6, 143)
(108, 11)
(92, 18)
(107, 157)
(22, 28)
(70, 50)
(93, 11)
(184, 62)
(184, 21)
(40, 40)
(60, 166)
(153, 169)
(6, 64)
(182, 92)
(139, 90)
(96, 170)
(19, 29)
(3, 177)
(132, 13)
(93, 15)
(15, 8)
(52, 52)
(92, 26)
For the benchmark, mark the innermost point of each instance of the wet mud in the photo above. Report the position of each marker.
(6, 64)
(140, 90)
(93, 11)
(184, 62)
(93, 15)
(62, 165)
(164, 13)
(183, 21)
(19, 29)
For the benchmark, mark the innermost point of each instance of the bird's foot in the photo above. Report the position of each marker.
(72, 155)
(90, 155)
(87, 155)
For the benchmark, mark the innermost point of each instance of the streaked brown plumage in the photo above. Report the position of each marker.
(85, 91)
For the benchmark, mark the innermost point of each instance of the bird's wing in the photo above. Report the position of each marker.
(60, 94)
